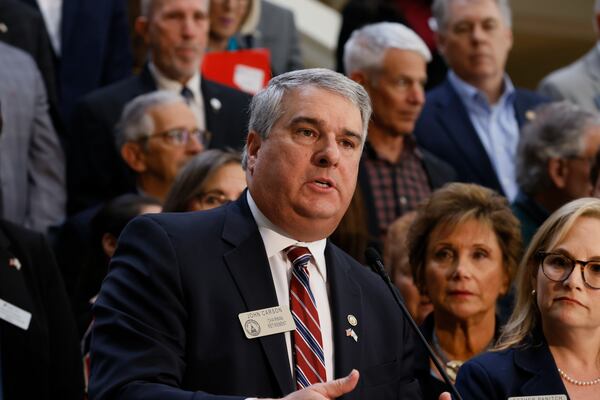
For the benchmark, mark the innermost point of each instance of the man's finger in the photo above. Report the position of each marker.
(339, 387)
(445, 396)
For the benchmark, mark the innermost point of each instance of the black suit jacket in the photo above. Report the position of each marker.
(525, 371)
(166, 320)
(445, 129)
(95, 170)
(43, 362)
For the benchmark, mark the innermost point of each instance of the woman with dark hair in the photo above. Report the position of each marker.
(464, 246)
(209, 180)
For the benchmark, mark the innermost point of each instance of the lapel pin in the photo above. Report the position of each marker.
(352, 320)
(15, 263)
(3, 27)
(215, 104)
(350, 332)
(529, 115)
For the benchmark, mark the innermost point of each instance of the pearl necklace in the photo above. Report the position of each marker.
(577, 382)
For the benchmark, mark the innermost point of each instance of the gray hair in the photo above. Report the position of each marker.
(440, 11)
(135, 122)
(557, 131)
(266, 105)
(147, 6)
(365, 50)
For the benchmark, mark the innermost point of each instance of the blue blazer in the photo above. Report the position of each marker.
(528, 371)
(166, 321)
(445, 129)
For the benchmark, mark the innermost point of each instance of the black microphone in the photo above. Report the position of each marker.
(376, 265)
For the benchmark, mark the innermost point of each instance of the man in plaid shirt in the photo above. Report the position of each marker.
(389, 60)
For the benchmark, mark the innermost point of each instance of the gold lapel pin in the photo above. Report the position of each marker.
(352, 320)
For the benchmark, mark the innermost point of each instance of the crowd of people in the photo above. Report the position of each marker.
(167, 236)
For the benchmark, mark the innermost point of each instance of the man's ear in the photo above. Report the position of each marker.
(558, 172)
(253, 143)
(134, 156)
(359, 77)
(141, 27)
(109, 244)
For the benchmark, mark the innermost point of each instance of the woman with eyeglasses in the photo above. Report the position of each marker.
(209, 180)
(464, 246)
(551, 344)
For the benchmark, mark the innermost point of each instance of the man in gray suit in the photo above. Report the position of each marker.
(32, 170)
(578, 82)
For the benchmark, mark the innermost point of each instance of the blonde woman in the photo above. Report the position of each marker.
(551, 344)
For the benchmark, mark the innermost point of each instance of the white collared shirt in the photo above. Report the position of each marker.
(197, 104)
(52, 13)
(275, 242)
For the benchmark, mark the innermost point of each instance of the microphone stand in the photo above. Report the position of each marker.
(376, 265)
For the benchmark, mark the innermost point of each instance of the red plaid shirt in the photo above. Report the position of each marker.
(397, 187)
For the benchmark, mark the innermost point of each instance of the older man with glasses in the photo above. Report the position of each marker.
(156, 136)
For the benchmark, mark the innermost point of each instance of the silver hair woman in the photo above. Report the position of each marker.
(551, 344)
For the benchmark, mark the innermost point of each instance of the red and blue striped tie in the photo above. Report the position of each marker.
(308, 342)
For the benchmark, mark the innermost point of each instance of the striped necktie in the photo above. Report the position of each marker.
(308, 342)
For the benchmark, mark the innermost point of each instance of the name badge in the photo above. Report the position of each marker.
(14, 315)
(545, 397)
(267, 321)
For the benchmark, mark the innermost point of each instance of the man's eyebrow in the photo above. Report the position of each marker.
(319, 122)
(306, 120)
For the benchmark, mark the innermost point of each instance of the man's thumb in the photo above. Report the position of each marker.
(341, 386)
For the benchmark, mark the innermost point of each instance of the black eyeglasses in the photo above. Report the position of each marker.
(558, 267)
(182, 136)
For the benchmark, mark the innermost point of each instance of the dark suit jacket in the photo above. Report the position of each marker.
(95, 48)
(445, 129)
(44, 361)
(528, 371)
(166, 320)
(95, 170)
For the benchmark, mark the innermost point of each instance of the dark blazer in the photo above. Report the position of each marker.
(95, 170)
(166, 320)
(445, 129)
(95, 48)
(438, 172)
(44, 361)
(528, 371)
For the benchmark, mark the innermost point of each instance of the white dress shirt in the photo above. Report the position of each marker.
(52, 13)
(275, 242)
(197, 104)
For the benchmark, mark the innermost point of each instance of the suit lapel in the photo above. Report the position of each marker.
(454, 118)
(68, 18)
(538, 361)
(346, 300)
(250, 270)
(212, 108)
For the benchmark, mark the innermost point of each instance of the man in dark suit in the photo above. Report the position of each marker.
(389, 60)
(176, 33)
(171, 320)
(472, 119)
(91, 46)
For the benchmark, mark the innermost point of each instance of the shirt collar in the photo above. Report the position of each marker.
(165, 83)
(470, 92)
(275, 240)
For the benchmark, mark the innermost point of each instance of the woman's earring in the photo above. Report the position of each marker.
(533, 292)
